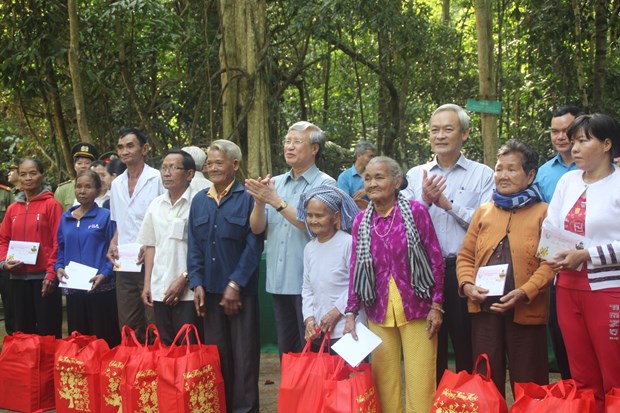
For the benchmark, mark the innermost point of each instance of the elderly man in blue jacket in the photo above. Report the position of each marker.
(222, 262)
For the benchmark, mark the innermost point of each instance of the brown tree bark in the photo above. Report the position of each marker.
(74, 69)
(600, 55)
(244, 89)
(579, 56)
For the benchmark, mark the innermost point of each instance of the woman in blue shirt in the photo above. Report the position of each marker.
(84, 235)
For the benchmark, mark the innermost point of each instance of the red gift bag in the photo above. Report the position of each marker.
(303, 379)
(468, 393)
(139, 377)
(112, 366)
(27, 372)
(352, 390)
(190, 376)
(76, 372)
(612, 400)
(562, 396)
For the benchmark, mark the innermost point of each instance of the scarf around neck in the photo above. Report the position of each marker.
(528, 196)
(422, 279)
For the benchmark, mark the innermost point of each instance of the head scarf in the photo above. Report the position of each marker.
(422, 279)
(335, 199)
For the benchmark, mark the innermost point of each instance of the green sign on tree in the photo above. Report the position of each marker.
(485, 106)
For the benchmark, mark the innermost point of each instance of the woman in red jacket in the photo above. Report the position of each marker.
(34, 218)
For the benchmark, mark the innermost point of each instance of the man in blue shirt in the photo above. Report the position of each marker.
(275, 211)
(547, 178)
(551, 171)
(222, 263)
(351, 181)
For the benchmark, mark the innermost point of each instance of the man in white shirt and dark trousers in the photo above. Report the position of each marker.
(452, 187)
(131, 195)
(164, 237)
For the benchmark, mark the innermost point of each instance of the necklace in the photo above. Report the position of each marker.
(388, 230)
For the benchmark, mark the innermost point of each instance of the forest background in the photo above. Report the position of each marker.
(192, 71)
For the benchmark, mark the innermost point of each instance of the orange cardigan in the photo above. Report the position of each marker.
(488, 227)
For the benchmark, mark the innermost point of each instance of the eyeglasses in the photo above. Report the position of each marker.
(294, 142)
(171, 169)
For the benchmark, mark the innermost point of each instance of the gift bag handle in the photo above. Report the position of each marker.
(182, 337)
(563, 387)
(485, 358)
(128, 336)
(152, 328)
(326, 337)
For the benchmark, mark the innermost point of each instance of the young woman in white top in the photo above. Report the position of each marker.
(587, 202)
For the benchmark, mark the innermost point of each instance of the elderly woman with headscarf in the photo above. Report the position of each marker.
(506, 232)
(397, 275)
(328, 212)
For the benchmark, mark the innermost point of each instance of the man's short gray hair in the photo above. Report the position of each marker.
(316, 134)
(228, 148)
(460, 112)
(362, 146)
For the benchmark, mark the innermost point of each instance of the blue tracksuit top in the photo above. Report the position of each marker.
(86, 241)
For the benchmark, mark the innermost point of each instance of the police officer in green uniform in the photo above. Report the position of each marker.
(83, 154)
(6, 199)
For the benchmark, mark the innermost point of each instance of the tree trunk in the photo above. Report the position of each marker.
(244, 89)
(600, 56)
(578, 56)
(445, 12)
(58, 117)
(74, 69)
(486, 76)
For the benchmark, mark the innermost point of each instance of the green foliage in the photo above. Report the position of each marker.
(360, 69)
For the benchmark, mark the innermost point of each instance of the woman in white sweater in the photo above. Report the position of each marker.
(587, 202)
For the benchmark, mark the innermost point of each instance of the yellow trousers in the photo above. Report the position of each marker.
(410, 339)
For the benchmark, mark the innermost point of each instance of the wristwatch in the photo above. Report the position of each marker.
(282, 206)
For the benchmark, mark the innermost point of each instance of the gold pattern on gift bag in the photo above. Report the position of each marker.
(461, 402)
(73, 385)
(367, 401)
(146, 385)
(112, 394)
(201, 386)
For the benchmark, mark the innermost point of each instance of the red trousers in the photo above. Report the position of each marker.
(590, 324)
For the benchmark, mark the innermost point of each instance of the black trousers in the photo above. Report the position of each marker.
(170, 318)
(289, 323)
(456, 324)
(94, 314)
(33, 313)
(7, 302)
(238, 340)
(557, 341)
(525, 345)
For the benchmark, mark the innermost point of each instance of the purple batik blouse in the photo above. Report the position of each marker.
(389, 257)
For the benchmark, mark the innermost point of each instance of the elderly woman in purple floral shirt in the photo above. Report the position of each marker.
(397, 274)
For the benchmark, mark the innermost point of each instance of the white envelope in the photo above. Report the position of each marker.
(79, 276)
(23, 251)
(554, 240)
(353, 352)
(493, 278)
(127, 257)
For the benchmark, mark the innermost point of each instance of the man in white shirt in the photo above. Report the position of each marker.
(199, 182)
(452, 187)
(131, 194)
(164, 237)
